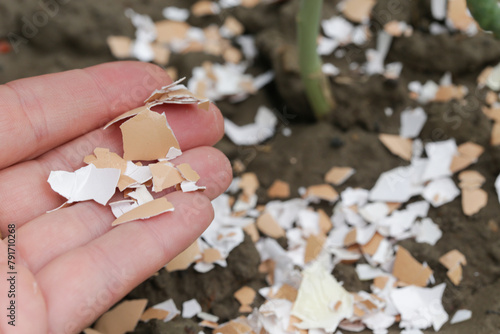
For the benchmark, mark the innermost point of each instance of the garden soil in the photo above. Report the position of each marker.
(75, 37)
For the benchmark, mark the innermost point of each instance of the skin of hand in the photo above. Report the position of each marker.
(71, 264)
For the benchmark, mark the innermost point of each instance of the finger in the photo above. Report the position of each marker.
(22, 299)
(25, 193)
(110, 266)
(47, 237)
(43, 112)
(28, 313)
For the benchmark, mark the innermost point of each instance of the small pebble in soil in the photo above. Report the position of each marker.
(336, 142)
(287, 132)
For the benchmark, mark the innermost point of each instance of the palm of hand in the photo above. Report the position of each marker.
(70, 265)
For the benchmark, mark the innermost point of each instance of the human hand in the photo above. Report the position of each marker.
(71, 264)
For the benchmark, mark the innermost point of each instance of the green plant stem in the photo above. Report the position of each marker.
(487, 14)
(315, 82)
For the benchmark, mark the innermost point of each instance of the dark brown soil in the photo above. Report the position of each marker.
(75, 38)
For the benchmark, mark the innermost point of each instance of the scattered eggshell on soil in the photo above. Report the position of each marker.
(184, 259)
(175, 13)
(412, 122)
(120, 46)
(122, 318)
(453, 257)
(402, 147)
(268, 225)
(338, 175)
(204, 8)
(190, 308)
(473, 200)
(420, 307)
(321, 192)
(153, 313)
(279, 189)
(319, 292)
(408, 270)
(358, 10)
(255, 133)
(460, 316)
(245, 295)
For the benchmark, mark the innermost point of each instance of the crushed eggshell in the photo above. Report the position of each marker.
(175, 13)
(440, 191)
(452, 258)
(153, 313)
(122, 318)
(473, 200)
(86, 183)
(145, 211)
(209, 324)
(427, 231)
(245, 295)
(269, 226)
(287, 292)
(372, 246)
(147, 136)
(91, 331)
(453, 261)
(317, 297)
(412, 122)
(495, 134)
(103, 158)
(455, 274)
(169, 306)
(402, 147)
(208, 316)
(165, 175)
(204, 8)
(120, 46)
(190, 308)
(279, 189)
(314, 246)
(249, 183)
(161, 54)
(325, 224)
(232, 27)
(398, 28)
(420, 307)
(141, 195)
(450, 92)
(467, 154)
(493, 112)
(471, 179)
(322, 192)
(460, 316)
(459, 16)
(338, 175)
(358, 10)
(251, 230)
(184, 259)
(408, 270)
(175, 93)
(255, 133)
(211, 255)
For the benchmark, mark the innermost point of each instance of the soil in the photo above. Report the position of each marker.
(75, 37)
